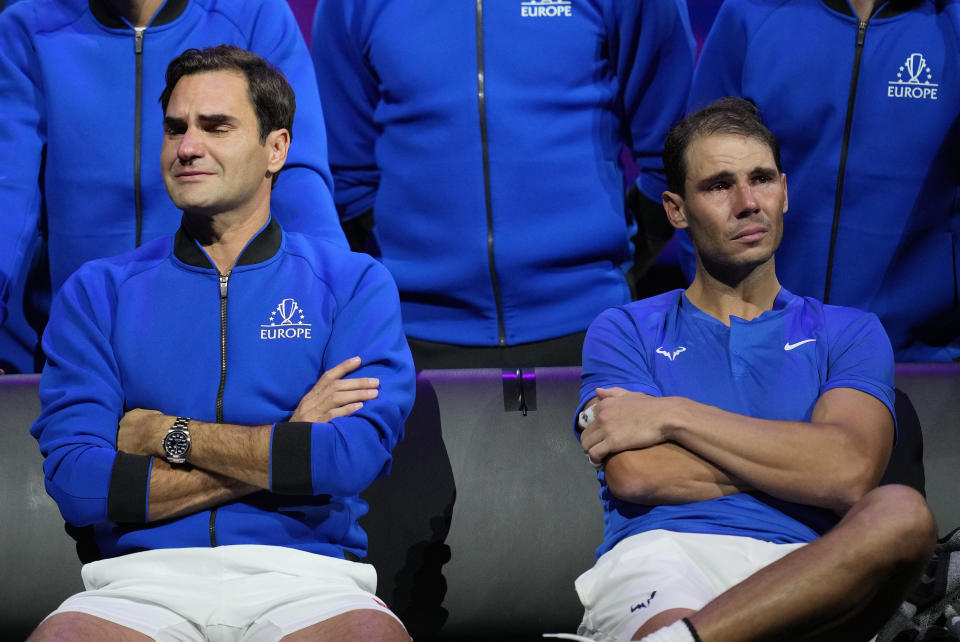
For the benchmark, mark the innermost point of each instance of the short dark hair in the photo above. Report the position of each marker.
(728, 115)
(270, 94)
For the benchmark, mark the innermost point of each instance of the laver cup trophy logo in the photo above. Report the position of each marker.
(915, 65)
(286, 309)
(290, 324)
(913, 80)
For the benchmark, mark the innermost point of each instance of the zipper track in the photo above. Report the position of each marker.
(488, 201)
(138, 34)
(224, 280)
(841, 171)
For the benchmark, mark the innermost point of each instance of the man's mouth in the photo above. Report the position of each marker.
(750, 234)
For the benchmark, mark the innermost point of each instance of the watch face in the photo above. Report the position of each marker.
(176, 443)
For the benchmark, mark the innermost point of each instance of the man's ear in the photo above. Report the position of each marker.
(783, 181)
(277, 144)
(673, 206)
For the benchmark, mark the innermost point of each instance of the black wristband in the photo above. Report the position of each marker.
(693, 631)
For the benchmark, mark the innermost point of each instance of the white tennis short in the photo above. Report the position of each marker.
(250, 593)
(648, 573)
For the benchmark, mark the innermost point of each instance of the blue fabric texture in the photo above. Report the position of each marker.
(563, 92)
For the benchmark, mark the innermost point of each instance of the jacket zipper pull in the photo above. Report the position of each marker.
(224, 278)
(138, 39)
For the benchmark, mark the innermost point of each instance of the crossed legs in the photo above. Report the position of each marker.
(843, 586)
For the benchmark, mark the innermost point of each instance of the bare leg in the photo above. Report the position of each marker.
(843, 586)
(660, 620)
(77, 627)
(362, 625)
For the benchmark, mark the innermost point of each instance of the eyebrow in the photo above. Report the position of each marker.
(730, 177)
(215, 118)
(205, 119)
(169, 122)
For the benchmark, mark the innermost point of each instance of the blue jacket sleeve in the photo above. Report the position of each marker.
(22, 139)
(82, 402)
(344, 456)
(302, 199)
(654, 54)
(350, 92)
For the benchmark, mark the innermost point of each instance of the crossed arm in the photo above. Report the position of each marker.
(228, 461)
(673, 450)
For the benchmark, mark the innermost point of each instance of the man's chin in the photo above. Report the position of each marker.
(194, 206)
(733, 270)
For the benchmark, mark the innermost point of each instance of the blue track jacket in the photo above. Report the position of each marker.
(486, 138)
(156, 328)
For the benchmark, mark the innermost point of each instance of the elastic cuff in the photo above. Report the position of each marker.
(290, 472)
(129, 488)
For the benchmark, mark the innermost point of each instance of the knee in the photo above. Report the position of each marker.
(901, 516)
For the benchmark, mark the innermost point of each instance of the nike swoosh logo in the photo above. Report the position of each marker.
(791, 346)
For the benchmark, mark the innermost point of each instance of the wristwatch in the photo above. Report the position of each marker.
(176, 443)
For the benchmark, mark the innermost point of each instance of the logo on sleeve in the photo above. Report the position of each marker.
(671, 355)
(286, 322)
(546, 9)
(913, 80)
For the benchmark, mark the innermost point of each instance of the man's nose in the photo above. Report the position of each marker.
(746, 200)
(190, 147)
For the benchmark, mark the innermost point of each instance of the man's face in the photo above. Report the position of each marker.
(734, 203)
(212, 157)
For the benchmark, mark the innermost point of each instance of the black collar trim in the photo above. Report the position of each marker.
(169, 12)
(887, 10)
(262, 247)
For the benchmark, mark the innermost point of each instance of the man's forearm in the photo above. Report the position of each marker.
(239, 452)
(667, 474)
(821, 463)
(182, 490)
(830, 461)
(242, 452)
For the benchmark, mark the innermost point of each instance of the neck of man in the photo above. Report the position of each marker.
(224, 235)
(863, 8)
(137, 12)
(722, 294)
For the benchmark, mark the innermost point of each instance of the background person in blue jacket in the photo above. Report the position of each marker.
(484, 138)
(80, 137)
(865, 99)
(742, 430)
(198, 428)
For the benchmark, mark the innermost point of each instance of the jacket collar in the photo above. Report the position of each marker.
(887, 10)
(260, 248)
(169, 12)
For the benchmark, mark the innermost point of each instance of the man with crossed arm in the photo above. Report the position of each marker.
(742, 430)
(185, 433)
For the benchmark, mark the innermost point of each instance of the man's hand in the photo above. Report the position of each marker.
(141, 431)
(333, 396)
(625, 420)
